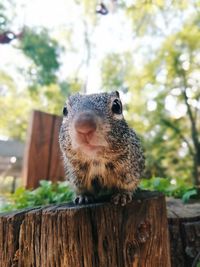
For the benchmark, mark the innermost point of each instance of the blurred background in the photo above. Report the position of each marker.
(148, 50)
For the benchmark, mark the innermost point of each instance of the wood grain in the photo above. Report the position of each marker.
(9, 237)
(56, 168)
(98, 235)
(42, 158)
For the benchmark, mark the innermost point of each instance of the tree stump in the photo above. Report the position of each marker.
(95, 235)
(184, 232)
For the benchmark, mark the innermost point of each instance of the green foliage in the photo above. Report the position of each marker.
(55, 193)
(170, 82)
(46, 193)
(114, 71)
(43, 51)
(155, 16)
(172, 188)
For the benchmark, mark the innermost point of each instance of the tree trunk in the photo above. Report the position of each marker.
(197, 167)
(184, 230)
(96, 235)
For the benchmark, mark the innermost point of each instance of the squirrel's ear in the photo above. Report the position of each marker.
(117, 93)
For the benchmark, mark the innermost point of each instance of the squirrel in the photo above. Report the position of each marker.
(100, 151)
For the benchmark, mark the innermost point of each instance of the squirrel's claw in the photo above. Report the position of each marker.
(122, 198)
(83, 199)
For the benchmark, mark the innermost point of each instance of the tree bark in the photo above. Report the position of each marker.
(96, 235)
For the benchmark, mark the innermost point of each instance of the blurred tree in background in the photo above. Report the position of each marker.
(175, 74)
(151, 53)
(165, 104)
(39, 47)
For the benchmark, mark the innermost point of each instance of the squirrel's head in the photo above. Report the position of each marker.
(103, 104)
(89, 119)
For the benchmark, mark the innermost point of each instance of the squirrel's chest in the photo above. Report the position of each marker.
(99, 171)
(96, 168)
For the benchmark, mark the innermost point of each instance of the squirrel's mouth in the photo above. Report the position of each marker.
(89, 143)
(89, 147)
(86, 138)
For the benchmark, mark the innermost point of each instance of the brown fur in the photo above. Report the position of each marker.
(115, 160)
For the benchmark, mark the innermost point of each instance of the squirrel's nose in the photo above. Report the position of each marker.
(85, 123)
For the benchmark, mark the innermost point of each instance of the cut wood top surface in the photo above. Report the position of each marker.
(177, 209)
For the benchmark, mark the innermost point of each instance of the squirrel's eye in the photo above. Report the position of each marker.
(117, 106)
(65, 111)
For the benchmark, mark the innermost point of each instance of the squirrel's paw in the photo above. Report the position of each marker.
(122, 198)
(83, 199)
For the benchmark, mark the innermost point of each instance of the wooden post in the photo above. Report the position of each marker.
(184, 232)
(42, 158)
(96, 235)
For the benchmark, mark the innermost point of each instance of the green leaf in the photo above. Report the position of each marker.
(189, 194)
(46, 193)
(45, 183)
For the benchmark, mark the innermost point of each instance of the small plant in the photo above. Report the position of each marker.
(55, 193)
(171, 187)
(46, 193)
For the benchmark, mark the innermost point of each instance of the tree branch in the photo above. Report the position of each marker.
(88, 48)
(194, 131)
(179, 132)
